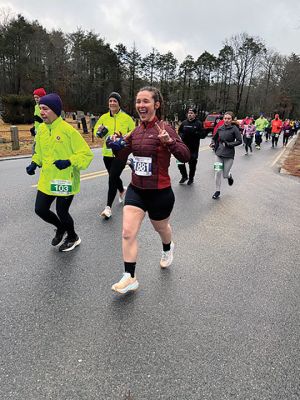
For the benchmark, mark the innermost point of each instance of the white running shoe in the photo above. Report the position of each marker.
(122, 195)
(106, 213)
(70, 244)
(126, 284)
(167, 257)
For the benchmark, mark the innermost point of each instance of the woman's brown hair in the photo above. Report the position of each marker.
(157, 96)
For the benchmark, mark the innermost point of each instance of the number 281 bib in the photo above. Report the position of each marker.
(142, 166)
(61, 187)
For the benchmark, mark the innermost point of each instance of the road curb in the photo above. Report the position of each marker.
(28, 156)
(15, 157)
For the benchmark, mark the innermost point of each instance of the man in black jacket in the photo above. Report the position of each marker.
(190, 132)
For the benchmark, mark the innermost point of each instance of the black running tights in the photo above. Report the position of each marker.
(114, 168)
(192, 164)
(63, 220)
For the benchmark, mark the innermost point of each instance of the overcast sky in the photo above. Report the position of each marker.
(181, 26)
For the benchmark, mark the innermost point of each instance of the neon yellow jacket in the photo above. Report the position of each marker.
(120, 122)
(60, 141)
(261, 124)
(37, 113)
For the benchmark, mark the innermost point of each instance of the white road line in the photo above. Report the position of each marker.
(90, 175)
(281, 153)
(96, 174)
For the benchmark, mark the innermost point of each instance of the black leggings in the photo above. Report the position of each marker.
(114, 168)
(274, 139)
(192, 165)
(63, 220)
(258, 139)
(248, 143)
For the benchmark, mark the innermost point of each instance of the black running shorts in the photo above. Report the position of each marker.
(158, 203)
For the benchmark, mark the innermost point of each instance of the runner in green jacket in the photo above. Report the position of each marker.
(260, 124)
(61, 153)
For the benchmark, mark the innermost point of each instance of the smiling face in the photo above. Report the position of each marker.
(146, 106)
(113, 105)
(48, 116)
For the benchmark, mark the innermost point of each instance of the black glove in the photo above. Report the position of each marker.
(31, 168)
(101, 132)
(130, 163)
(38, 118)
(62, 164)
(32, 131)
(116, 145)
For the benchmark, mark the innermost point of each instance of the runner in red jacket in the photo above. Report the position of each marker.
(152, 144)
(276, 126)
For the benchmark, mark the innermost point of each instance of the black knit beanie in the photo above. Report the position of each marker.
(116, 96)
(53, 101)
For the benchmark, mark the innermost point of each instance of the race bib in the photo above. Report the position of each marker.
(142, 166)
(61, 187)
(218, 166)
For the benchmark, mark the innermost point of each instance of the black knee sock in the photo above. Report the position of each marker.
(167, 247)
(130, 268)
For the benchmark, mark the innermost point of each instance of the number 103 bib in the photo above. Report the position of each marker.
(61, 187)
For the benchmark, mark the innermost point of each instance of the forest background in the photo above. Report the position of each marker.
(245, 76)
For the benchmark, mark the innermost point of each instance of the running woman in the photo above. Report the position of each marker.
(152, 144)
(287, 130)
(37, 94)
(226, 138)
(61, 153)
(260, 124)
(276, 126)
(248, 133)
(114, 121)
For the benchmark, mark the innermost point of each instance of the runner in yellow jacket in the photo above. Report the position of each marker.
(61, 153)
(115, 121)
(37, 94)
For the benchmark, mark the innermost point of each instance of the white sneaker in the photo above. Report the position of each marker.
(167, 257)
(126, 284)
(122, 195)
(106, 213)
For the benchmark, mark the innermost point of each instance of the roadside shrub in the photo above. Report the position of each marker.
(18, 109)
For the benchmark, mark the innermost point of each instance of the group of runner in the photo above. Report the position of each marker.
(270, 129)
(61, 152)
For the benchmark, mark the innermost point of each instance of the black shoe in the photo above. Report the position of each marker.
(230, 180)
(190, 181)
(183, 179)
(57, 238)
(216, 195)
(70, 244)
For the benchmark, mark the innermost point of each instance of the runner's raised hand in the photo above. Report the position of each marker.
(163, 135)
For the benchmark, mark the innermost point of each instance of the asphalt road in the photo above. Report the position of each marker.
(221, 323)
